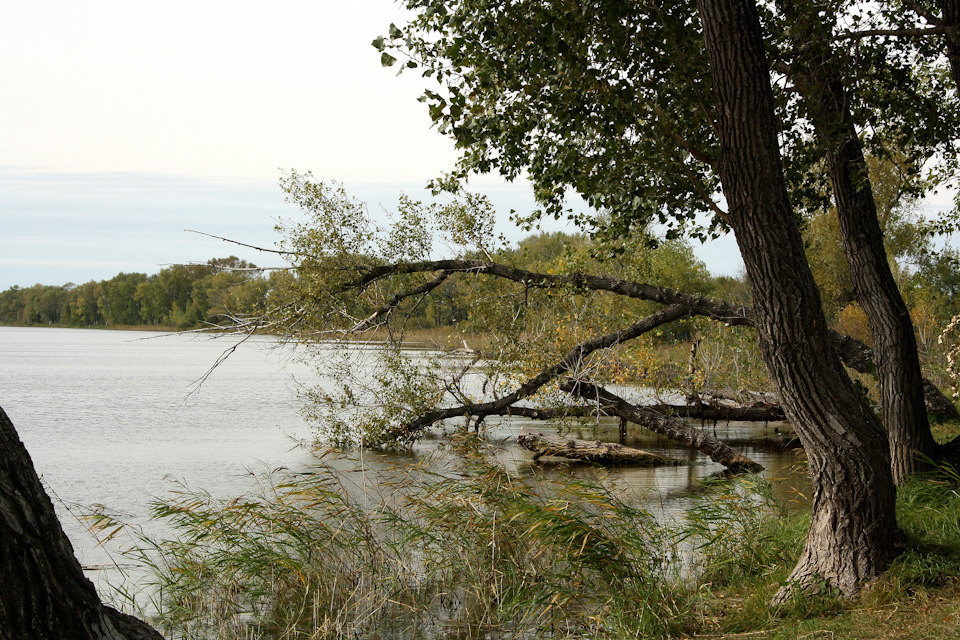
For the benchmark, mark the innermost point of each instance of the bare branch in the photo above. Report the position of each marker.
(673, 428)
(252, 246)
(922, 12)
(568, 363)
(895, 33)
(391, 304)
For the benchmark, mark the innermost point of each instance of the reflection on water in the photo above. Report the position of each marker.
(109, 417)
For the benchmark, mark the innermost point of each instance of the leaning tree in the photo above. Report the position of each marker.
(651, 113)
(613, 100)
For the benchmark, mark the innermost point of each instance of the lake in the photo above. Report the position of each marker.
(117, 418)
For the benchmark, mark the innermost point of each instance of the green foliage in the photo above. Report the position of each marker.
(615, 101)
(359, 277)
(182, 296)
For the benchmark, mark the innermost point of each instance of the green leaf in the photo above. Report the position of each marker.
(378, 43)
(394, 31)
(387, 60)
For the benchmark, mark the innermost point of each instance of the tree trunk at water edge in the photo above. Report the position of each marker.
(45, 595)
(853, 530)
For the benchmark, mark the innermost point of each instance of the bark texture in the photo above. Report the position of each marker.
(45, 595)
(902, 398)
(853, 527)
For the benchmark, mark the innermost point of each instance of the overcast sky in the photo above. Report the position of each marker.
(123, 123)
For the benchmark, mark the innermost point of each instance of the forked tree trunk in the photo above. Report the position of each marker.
(894, 342)
(44, 594)
(853, 527)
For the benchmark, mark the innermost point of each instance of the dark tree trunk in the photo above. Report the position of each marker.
(853, 526)
(44, 593)
(950, 11)
(894, 342)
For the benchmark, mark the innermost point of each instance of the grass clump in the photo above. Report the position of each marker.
(917, 597)
(465, 549)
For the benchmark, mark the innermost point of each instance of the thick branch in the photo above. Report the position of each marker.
(854, 353)
(704, 412)
(719, 310)
(896, 33)
(569, 362)
(673, 428)
(692, 411)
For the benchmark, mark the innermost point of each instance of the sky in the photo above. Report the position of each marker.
(124, 123)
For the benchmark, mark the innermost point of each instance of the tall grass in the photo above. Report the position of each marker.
(466, 551)
(463, 549)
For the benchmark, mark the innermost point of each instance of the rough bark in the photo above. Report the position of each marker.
(45, 595)
(820, 81)
(658, 423)
(591, 451)
(728, 413)
(693, 411)
(853, 524)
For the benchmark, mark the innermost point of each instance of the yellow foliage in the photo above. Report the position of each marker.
(852, 321)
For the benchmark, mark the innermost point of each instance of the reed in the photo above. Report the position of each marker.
(461, 548)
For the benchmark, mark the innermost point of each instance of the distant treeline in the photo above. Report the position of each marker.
(181, 296)
(195, 295)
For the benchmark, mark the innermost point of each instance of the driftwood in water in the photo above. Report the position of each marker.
(672, 428)
(591, 451)
(737, 399)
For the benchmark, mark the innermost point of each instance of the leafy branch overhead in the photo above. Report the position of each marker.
(357, 278)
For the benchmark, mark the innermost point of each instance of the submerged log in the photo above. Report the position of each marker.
(672, 428)
(591, 451)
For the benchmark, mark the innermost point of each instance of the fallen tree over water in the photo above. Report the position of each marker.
(655, 421)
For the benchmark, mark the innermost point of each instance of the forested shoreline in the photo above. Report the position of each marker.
(192, 296)
(178, 296)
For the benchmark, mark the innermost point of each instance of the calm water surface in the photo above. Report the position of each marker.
(116, 418)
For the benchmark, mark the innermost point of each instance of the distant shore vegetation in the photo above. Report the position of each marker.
(221, 291)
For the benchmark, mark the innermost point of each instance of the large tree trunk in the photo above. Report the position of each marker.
(45, 595)
(894, 342)
(853, 526)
